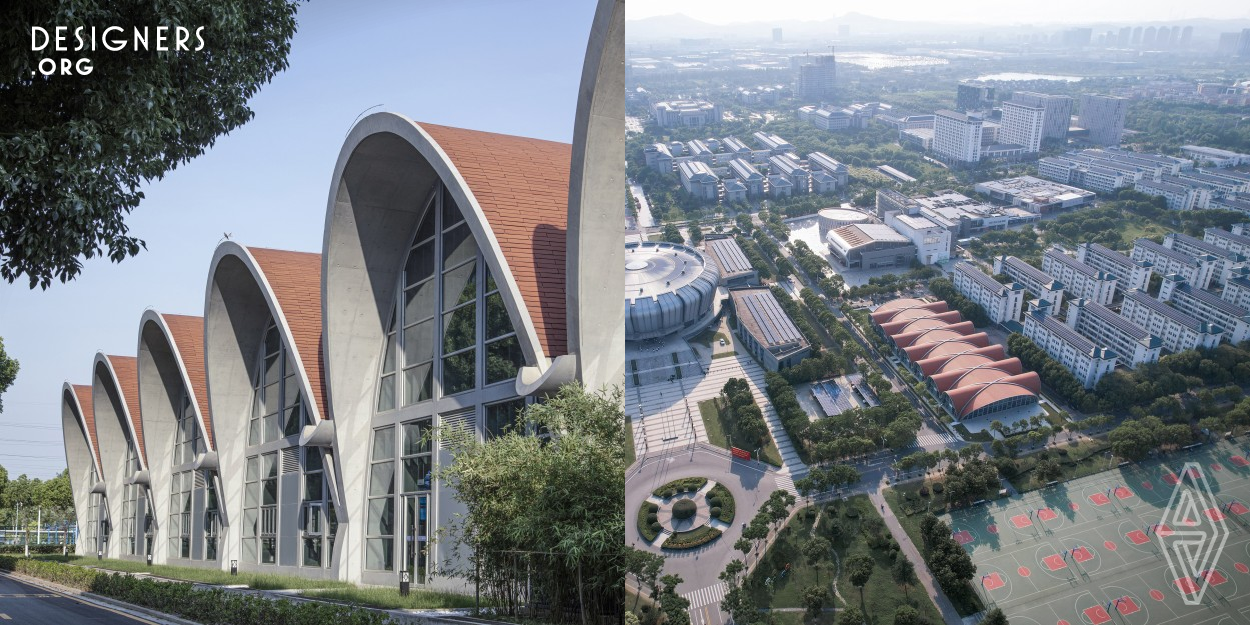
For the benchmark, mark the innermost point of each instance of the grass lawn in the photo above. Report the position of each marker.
(390, 599)
(881, 595)
(1076, 459)
(894, 497)
(716, 423)
(709, 336)
(1054, 416)
(259, 581)
(724, 355)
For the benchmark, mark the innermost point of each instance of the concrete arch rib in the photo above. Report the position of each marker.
(114, 399)
(78, 427)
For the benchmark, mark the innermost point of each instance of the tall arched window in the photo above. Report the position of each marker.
(450, 323)
(187, 445)
(278, 415)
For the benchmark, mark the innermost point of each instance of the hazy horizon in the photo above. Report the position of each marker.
(723, 13)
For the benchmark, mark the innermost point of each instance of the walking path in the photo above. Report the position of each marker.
(944, 605)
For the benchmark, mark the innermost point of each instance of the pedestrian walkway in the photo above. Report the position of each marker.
(944, 605)
(784, 482)
(934, 439)
(711, 595)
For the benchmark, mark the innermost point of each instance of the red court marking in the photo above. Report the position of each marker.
(1109, 545)
(1137, 537)
(1126, 605)
(1024, 571)
(1171, 479)
(1156, 595)
(1214, 514)
(1123, 492)
(1081, 554)
(993, 582)
(1055, 562)
(1075, 506)
(993, 529)
(1239, 461)
(1215, 578)
(1100, 499)
(1186, 585)
(1062, 622)
(1188, 522)
(1097, 615)
(1194, 473)
(1241, 567)
(1046, 514)
(1021, 521)
(1163, 530)
(1238, 509)
(1215, 466)
(1148, 485)
(962, 537)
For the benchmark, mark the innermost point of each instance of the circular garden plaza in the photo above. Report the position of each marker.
(686, 513)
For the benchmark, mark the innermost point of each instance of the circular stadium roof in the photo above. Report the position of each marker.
(844, 215)
(668, 287)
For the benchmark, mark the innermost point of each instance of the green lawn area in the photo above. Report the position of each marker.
(716, 423)
(707, 337)
(909, 517)
(724, 355)
(390, 599)
(259, 581)
(1054, 416)
(1076, 458)
(881, 596)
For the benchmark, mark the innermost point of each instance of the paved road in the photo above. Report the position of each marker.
(23, 603)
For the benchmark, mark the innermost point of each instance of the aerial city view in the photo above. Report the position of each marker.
(938, 313)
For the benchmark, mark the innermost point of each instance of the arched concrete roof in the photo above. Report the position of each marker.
(944, 353)
(115, 405)
(969, 399)
(921, 351)
(171, 348)
(76, 403)
(898, 308)
(975, 374)
(930, 335)
(247, 287)
(911, 322)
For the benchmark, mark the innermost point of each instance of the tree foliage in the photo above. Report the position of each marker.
(560, 498)
(8, 372)
(74, 151)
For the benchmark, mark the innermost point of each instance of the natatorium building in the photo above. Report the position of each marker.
(290, 429)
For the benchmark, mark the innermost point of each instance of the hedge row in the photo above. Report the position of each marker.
(693, 538)
(41, 549)
(207, 606)
(676, 487)
(723, 500)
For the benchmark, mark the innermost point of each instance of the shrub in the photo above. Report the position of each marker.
(924, 491)
(938, 488)
(851, 512)
(714, 502)
(684, 509)
(715, 513)
(724, 500)
(651, 518)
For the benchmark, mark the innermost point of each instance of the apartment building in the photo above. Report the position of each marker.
(1237, 288)
(1079, 279)
(1180, 197)
(1022, 125)
(786, 166)
(1178, 330)
(1087, 360)
(1234, 241)
(1130, 274)
(1197, 270)
(1103, 116)
(1034, 280)
(748, 175)
(1207, 307)
(1133, 343)
(957, 137)
(699, 180)
(1058, 111)
(1002, 302)
(1225, 259)
(819, 161)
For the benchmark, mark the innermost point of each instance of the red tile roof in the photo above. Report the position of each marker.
(976, 374)
(126, 368)
(883, 318)
(899, 326)
(187, 333)
(921, 351)
(930, 335)
(83, 393)
(522, 185)
(295, 278)
(948, 351)
(968, 399)
(888, 310)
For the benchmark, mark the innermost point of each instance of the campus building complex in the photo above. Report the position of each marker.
(1197, 270)
(1034, 280)
(1086, 359)
(1178, 330)
(767, 332)
(1132, 343)
(1002, 302)
(1080, 280)
(1130, 274)
(297, 425)
(1207, 307)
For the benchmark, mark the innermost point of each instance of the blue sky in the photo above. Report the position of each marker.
(503, 66)
(971, 11)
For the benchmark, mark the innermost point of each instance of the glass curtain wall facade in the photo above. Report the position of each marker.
(450, 351)
(187, 445)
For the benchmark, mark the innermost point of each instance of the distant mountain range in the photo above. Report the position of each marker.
(679, 26)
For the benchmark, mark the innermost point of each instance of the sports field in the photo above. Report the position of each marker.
(1091, 551)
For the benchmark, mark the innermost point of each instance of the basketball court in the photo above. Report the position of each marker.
(1087, 552)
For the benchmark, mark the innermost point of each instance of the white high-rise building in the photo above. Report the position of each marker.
(1103, 117)
(1023, 125)
(957, 137)
(1058, 111)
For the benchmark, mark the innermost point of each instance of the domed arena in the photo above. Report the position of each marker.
(668, 288)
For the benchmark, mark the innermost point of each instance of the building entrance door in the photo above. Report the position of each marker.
(416, 537)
